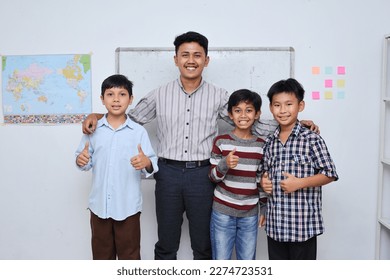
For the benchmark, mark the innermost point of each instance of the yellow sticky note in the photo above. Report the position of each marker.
(328, 95)
(341, 83)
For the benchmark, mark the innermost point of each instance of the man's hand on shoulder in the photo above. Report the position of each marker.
(89, 124)
(310, 125)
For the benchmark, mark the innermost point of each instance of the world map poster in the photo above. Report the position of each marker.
(46, 89)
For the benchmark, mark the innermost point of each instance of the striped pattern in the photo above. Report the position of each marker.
(236, 193)
(297, 216)
(187, 123)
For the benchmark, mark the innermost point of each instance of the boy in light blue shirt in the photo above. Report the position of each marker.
(118, 152)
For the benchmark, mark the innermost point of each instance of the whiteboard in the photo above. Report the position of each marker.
(230, 68)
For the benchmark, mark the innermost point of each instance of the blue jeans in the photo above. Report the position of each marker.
(228, 231)
(180, 190)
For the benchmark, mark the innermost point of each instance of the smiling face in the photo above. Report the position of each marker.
(191, 59)
(243, 116)
(285, 107)
(116, 100)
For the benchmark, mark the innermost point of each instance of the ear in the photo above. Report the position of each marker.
(102, 99)
(230, 115)
(258, 115)
(175, 59)
(207, 61)
(301, 106)
(131, 99)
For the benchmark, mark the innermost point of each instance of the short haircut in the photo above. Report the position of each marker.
(117, 81)
(244, 95)
(289, 86)
(190, 37)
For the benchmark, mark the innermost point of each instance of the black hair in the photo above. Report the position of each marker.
(190, 37)
(117, 81)
(290, 86)
(244, 95)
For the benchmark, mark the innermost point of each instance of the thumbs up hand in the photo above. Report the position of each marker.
(231, 159)
(141, 161)
(290, 184)
(84, 157)
(266, 183)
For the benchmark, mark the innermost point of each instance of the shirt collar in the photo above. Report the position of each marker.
(103, 122)
(295, 131)
(182, 87)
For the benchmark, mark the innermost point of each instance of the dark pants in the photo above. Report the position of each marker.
(112, 239)
(306, 250)
(180, 190)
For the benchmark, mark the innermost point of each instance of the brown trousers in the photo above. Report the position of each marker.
(116, 239)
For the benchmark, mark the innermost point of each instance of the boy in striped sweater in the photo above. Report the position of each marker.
(235, 160)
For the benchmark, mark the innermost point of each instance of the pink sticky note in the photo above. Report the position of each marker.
(315, 70)
(328, 83)
(315, 95)
(341, 70)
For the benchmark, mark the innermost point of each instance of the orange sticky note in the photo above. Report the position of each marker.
(315, 70)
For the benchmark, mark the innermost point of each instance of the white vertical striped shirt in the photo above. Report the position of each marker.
(187, 123)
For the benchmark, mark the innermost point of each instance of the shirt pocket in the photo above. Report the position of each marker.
(301, 166)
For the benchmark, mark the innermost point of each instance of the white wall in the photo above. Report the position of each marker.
(43, 197)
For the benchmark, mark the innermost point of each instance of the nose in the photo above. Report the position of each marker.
(191, 58)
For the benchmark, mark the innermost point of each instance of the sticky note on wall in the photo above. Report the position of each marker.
(328, 95)
(328, 83)
(315, 70)
(315, 95)
(341, 83)
(341, 70)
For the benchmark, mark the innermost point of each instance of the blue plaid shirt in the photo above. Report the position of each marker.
(297, 216)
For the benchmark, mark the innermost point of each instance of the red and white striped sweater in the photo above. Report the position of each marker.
(237, 192)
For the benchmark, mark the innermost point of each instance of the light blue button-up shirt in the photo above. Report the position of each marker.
(116, 186)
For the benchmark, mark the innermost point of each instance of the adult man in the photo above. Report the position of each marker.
(186, 111)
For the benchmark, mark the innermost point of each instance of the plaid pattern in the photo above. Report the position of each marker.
(297, 216)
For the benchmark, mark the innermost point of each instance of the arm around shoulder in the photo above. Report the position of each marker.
(89, 124)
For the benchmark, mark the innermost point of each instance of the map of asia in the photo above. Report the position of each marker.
(46, 89)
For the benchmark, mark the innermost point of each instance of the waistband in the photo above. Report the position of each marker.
(186, 164)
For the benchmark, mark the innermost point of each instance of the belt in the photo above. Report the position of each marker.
(185, 164)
